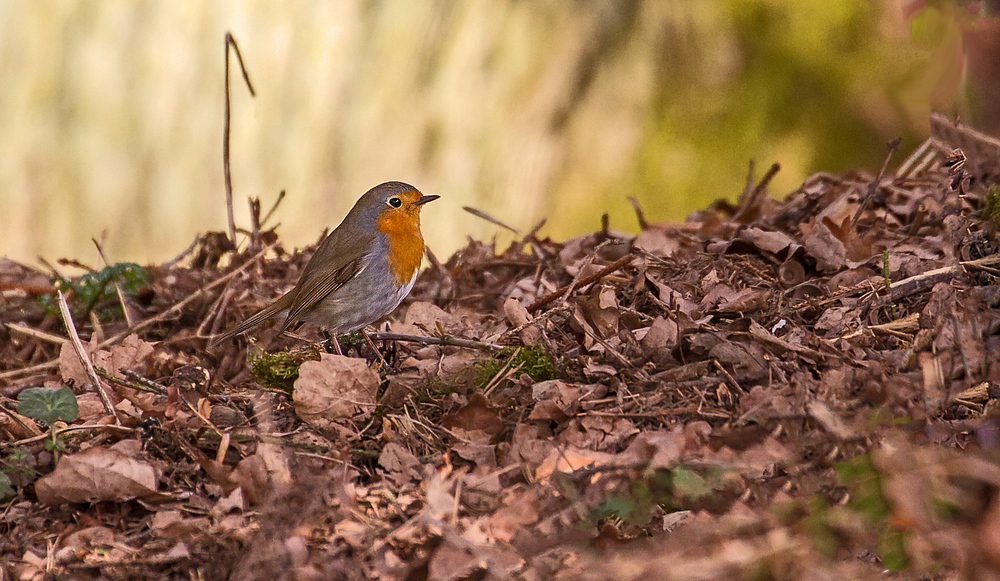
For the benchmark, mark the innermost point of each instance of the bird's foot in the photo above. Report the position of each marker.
(332, 345)
(374, 348)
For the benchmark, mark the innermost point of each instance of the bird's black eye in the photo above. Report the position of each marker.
(395, 202)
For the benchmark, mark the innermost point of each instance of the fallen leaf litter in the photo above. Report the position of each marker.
(786, 386)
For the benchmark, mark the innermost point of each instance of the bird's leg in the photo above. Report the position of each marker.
(375, 349)
(331, 341)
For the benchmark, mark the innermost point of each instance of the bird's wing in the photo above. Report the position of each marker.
(337, 260)
(315, 290)
(256, 319)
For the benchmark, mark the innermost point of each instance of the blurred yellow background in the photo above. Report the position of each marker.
(111, 112)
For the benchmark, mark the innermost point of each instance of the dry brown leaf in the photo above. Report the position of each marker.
(557, 400)
(478, 414)
(70, 367)
(746, 301)
(129, 354)
(451, 563)
(334, 390)
(518, 315)
(482, 455)
(763, 402)
(569, 459)
(19, 426)
(671, 297)
(857, 250)
(400, 465)
(423, 318)
(761, 458)
(656, 241)
(516, 514)
(833, 320)
(251, 476)
(597, 432)
(657, 449)
(602, 311)
(718, 293)
(529, 445)
(90, 537)
(661, 335)
(440, 498)
(773, 242)
(830, 421)
(90, 407)
(98, 475)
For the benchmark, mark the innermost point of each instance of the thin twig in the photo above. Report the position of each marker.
(728, 376)
(170, 263)
(54, 364)
(230, 41)
(36, 333)
(905, 326)
(212, 314)
(48, 435)
(535, 321)
(319, 457)
(208, 422)
(926, 280)
(904, 170)
(873, 187)
(639, 214)
(118, 287)
(451, 341)
(85, 359)
(281, 196)
(676, 411)
(492, 220)
(40, 368)
(579, 274)
(140, 386)
(504, 371)
(26, 288)
(56, 273)
(216, 314)
(614, 352)
(180, 306)
(254, 223)
(757, 192)
(583, 283)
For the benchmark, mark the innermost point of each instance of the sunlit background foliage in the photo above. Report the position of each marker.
(111, 113)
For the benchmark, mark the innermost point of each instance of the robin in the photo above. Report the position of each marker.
(361, 271)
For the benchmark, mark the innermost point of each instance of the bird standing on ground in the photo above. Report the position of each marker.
(361, 271)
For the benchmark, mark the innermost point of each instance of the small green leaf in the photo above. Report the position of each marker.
(6, 490)
(48, 405)
(618, 506)
(688, 484)
(892, 549)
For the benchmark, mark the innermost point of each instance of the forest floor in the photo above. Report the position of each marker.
(803, 388)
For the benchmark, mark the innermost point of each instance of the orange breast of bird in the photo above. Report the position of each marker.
(406, 244)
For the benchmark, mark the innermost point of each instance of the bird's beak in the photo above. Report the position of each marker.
(424, 199)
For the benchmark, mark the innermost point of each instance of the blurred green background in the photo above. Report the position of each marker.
(111, 112)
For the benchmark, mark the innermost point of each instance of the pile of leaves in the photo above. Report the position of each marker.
(774, 389)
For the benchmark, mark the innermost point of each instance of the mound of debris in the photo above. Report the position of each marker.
(775, 389)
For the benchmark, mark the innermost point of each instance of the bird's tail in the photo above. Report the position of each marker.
(256, 319)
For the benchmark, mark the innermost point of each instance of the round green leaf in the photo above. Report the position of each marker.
(48, 405)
